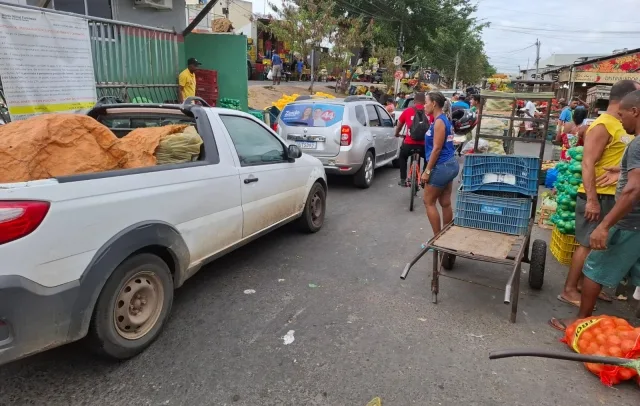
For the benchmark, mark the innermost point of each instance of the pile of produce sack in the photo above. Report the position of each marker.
(55, 145)
(605, 336)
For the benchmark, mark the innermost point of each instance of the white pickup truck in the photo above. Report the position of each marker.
(100, 254)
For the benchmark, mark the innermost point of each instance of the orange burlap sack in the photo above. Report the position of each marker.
(53, 145)
(605, 336)
(139, 146)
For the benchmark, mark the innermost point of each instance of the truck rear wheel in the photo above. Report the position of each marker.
(132, 308)
(313, 215)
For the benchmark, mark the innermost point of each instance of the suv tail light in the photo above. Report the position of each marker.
(20, 218)
(345, 136)
(275, 126)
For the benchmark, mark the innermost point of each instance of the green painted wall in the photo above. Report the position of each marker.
(228, 55)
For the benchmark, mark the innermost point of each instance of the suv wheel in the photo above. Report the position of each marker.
(364, 177)
(132, 308)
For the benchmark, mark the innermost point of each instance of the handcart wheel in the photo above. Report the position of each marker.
(448, 260)
(537, 264)
(414, 187)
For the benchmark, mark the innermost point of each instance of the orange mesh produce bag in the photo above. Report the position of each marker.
(605, 336)
(53, 145)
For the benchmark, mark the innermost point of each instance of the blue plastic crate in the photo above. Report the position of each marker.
(502, 212)
(503, 173)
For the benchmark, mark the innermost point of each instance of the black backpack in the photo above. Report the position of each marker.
(419, 125)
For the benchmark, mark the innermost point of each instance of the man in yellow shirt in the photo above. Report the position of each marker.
(604, 144)
(187, 80)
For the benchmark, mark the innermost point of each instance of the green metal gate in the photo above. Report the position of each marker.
(134, 63)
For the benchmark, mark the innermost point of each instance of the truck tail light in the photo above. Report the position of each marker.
(20, 218)
(275, 127)
(345, 136)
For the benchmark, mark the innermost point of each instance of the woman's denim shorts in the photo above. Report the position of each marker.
(444, 173)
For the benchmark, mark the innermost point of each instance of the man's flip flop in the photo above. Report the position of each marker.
(557, 324)
(575, 303)
(605, 298)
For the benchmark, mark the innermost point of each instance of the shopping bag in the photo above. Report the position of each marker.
(270, 75)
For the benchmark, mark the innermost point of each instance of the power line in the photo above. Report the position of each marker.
(564, 30)
(515, 50)
(526, 12)
(565, 38)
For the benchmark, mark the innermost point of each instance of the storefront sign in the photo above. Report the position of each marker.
(597, 77)
(45, 63)
(620, 64)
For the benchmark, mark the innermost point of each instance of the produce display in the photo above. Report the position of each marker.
(567, 183)
(228, 103)
(286, 99)
(606, 336)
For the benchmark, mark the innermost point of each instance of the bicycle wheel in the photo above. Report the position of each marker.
(414, 182)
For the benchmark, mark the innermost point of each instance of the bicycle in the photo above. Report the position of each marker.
(414, 175)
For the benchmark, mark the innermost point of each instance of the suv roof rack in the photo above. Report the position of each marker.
(358, 98)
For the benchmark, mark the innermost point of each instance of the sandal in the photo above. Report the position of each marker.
(558, 324)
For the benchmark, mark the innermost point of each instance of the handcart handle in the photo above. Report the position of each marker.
(568, 356)
(415, 259)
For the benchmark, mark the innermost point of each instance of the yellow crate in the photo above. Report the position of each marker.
(563, 246)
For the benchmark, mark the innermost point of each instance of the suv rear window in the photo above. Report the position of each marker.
(311, 114)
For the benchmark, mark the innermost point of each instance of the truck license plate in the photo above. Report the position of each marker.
(306, 144)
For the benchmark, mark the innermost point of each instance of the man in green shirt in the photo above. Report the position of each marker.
(475, 102)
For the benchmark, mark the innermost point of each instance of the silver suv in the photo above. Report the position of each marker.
(351, 136)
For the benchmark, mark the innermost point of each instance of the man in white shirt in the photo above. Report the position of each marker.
(529, 112)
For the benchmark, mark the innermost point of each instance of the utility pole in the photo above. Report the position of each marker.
(400, 41)
(537, 57)
(455, 72)
(225, 10)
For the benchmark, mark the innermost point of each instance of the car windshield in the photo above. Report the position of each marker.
(312, 114)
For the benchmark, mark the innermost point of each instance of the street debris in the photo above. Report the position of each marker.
(375, 402)
(288, 338)
(478, 335)
(249, 291)
(280, 280)
(313, 286)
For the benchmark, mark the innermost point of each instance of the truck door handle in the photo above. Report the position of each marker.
(250, 180)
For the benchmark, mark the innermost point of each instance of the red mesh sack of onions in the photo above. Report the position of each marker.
(606, 336)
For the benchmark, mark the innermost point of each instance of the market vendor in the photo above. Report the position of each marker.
(187, 80)
(573, 134)
(616, 239)
(604, 145)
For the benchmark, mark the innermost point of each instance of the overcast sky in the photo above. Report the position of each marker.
(563, 27)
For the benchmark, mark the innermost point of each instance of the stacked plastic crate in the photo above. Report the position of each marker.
(207, 85)
(497, 192)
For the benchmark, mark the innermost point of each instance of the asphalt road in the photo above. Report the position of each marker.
(331, 323)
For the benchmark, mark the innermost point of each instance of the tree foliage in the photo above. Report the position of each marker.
(435, 31)
(305, 24)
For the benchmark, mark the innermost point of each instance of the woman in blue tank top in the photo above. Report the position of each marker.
(442, 166)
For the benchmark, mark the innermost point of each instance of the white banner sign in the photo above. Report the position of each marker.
(45, 63)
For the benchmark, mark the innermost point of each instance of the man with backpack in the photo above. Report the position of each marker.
(413, 124)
